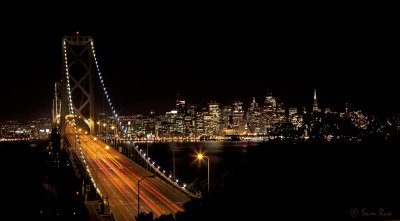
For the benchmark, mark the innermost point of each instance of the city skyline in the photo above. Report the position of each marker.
(243, 73)
(169, 104)
(222, 57)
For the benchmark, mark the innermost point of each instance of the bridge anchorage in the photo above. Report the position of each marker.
(100, 145)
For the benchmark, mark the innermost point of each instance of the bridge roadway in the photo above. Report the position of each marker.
(117, 177)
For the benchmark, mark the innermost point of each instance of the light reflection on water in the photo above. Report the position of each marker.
(224, 156)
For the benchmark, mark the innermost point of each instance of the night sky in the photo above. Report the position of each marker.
(223, 53)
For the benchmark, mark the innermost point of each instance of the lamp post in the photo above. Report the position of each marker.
(147, 153)
(200, 156)
(138, 197)
(173, 162)
(147, 148)
(115, 135)
(98, 128)
(105, 131)
(147, 144)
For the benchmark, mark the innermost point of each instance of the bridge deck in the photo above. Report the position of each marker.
(117, 177)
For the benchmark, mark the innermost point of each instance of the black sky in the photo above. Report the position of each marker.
(223, 53)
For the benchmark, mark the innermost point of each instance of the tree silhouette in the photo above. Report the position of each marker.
(168, 217)
(145, 216)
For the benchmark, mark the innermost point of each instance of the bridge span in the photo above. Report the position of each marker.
(81, 99)
(117, 178)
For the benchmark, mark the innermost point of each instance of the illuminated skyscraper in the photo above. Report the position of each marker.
(254, 121)
(180, 105)
(315, 105)
(273, 113)
(238, 117)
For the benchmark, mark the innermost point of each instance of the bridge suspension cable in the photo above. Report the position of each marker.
(90, 49)
(73, 120)
(171, 179)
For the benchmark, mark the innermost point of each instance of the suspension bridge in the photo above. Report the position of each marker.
(114, 169)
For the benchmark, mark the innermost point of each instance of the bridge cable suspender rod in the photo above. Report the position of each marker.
(157, 169)
(71, 113)
(123, 129)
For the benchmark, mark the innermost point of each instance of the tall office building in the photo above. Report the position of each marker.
(315, 105)
(180, 105)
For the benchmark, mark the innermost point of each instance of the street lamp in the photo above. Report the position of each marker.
(114, 129)
(138, 198)
(200, 156)
(173, 162)
(97, 131)
(105, 130)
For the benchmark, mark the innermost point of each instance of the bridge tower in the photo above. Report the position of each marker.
(56, 112)
(74, 101)
(78, 69)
